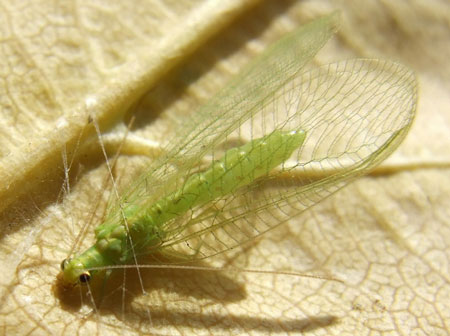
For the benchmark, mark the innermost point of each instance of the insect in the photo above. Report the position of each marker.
(305, 134)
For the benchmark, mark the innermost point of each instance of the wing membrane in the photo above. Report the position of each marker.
(238, 102)
(354, 113)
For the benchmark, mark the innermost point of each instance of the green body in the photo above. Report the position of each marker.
(237, 168)
(355, 112)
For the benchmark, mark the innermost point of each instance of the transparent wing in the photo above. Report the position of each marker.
(355, 113)
(239, 101)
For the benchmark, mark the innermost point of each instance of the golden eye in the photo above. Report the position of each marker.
(64, 263)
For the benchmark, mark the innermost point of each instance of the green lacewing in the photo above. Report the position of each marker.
(305, 133)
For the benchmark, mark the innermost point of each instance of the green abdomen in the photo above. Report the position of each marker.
(238, 167)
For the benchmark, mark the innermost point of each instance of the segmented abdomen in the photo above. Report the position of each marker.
(238, 167)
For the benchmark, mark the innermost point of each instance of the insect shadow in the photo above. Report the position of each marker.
(119, 293)
(216, 287)
(185, 282)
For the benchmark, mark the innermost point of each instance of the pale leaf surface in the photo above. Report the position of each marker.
(386, 236)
